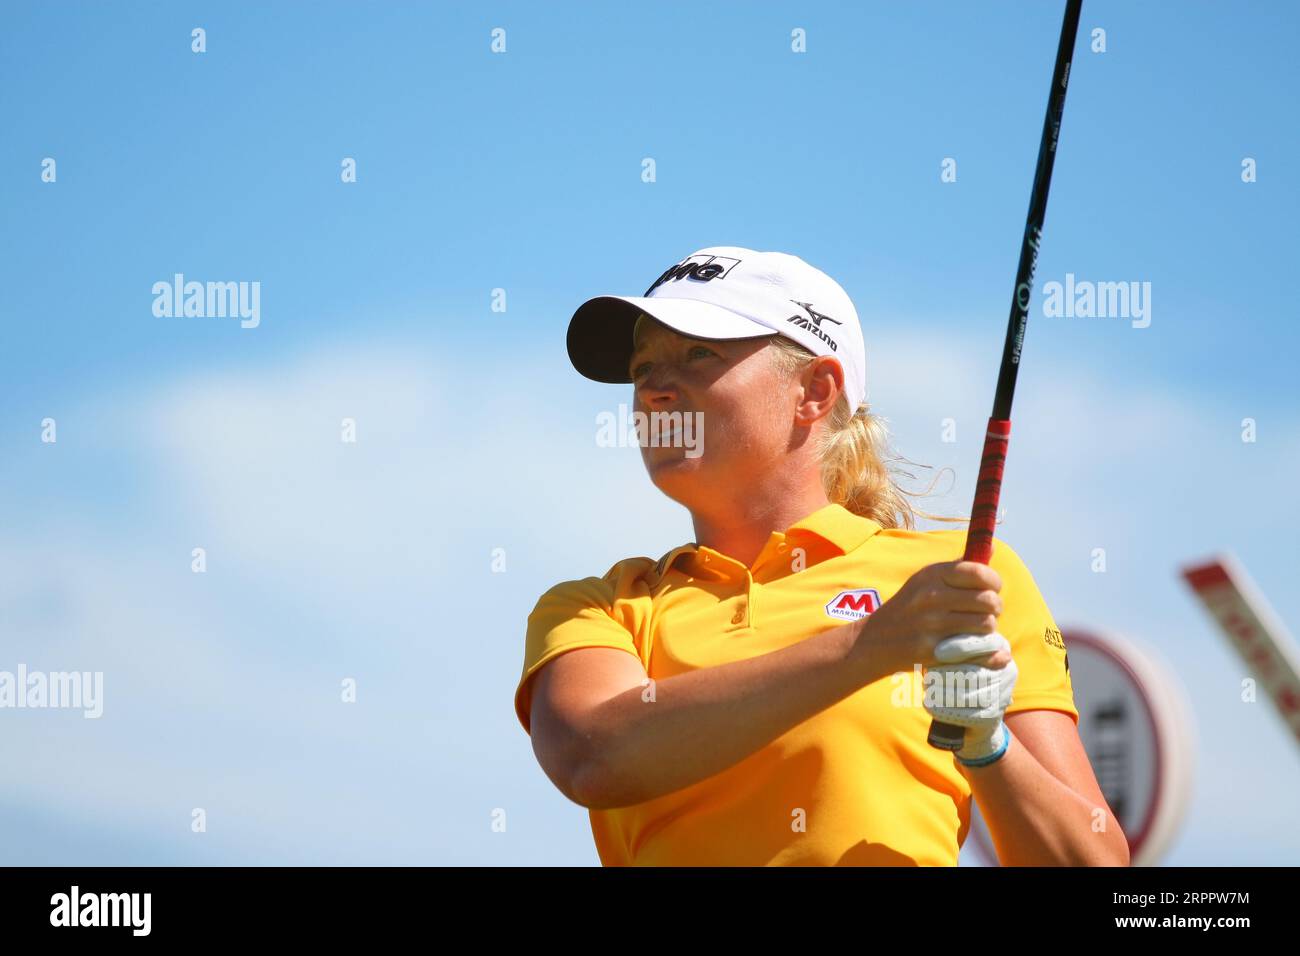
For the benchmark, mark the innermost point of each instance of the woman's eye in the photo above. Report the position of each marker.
(695, 351)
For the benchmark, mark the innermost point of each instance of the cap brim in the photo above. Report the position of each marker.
(600, 332)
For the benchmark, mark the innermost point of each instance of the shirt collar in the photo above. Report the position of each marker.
(838, 525)
(833, 523)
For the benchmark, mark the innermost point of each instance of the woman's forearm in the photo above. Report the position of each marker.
(695, 725)
(1036, 820)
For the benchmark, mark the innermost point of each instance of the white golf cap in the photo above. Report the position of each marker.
(726, 292)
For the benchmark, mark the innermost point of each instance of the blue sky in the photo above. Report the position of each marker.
(522, 171)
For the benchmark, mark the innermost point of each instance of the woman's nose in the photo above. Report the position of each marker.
(658, 386)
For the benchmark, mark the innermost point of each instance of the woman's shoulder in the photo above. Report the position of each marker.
(915, 538)
(619, 581)
(948, 544)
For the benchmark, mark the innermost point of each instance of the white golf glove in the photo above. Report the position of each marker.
(979, 695)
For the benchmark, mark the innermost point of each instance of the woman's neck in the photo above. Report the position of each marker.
(739, 529)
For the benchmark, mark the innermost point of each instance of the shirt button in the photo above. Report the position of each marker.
(739, 616)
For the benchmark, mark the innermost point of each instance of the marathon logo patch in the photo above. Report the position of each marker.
(853, 605)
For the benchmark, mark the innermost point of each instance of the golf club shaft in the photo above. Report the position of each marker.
(988, 486)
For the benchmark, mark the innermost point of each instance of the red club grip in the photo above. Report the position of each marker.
(979, 540)
(988, 487)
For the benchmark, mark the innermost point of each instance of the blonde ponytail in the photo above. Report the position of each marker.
(854, 451)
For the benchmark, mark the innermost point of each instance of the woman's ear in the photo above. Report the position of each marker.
(823, 382)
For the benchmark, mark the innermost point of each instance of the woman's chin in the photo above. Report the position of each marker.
(674, 474)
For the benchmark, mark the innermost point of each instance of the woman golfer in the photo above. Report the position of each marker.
(762, 695)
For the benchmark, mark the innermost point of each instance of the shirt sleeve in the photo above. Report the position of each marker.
(1043, 679)
(570, 615)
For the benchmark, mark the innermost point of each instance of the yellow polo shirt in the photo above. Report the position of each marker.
(856, 784)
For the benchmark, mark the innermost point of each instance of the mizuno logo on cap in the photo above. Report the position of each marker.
(814, 323)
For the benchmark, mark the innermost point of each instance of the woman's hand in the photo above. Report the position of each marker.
(964, 690)
(937, 602)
